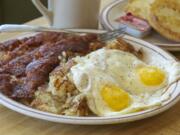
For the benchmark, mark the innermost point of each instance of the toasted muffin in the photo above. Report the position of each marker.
(139, 8)
(164, 17)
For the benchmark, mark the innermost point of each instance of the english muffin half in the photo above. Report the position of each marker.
(164, 17)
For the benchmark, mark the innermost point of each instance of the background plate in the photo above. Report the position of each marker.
(116, 9)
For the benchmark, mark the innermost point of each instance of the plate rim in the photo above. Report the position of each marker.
(26, 110)
(105, 22)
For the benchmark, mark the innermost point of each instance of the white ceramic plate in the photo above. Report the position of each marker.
(116, 9)
(152, 54)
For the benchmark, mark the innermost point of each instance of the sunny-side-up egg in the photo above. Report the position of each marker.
(116, 82)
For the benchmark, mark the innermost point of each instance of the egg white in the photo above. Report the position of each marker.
(109, 66)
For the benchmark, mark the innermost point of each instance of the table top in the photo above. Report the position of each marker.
(12, 123)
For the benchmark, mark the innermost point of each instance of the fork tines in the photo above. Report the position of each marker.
(112, 34)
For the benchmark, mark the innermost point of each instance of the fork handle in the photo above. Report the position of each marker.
(28, 28)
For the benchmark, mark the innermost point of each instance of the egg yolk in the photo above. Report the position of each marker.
(151, 76)
(116, 98)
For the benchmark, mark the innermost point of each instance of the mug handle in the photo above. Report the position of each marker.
(43, 10)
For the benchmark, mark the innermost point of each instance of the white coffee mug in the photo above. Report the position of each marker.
(71, 13)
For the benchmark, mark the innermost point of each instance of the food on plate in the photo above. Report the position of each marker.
(61, 95)
(72, 101)
(27, 62)
(116, 82)
(164, 17)
(134, 25)
(82, 76)
(139, 8)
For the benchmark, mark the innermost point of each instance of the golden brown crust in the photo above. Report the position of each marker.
(164, 17)
(121, 44)
(74, 105)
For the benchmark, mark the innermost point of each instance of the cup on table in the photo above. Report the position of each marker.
(71, 13)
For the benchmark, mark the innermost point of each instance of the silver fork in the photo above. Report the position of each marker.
(105, 36)
(112, 34)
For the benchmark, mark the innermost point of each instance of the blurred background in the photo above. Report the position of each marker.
(18, 11)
